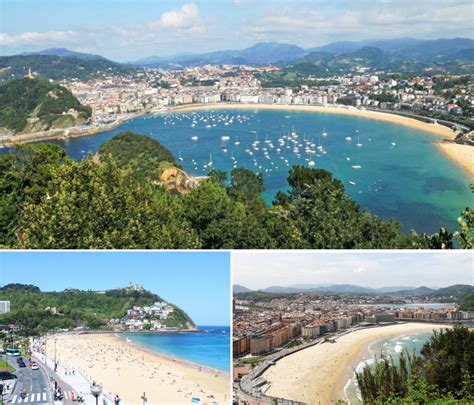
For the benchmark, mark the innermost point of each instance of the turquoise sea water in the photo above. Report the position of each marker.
(399, 171)
(389, 347)
(209, 348)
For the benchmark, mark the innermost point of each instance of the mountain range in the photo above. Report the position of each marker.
(454, 56)
(456, 291)
(439, 50)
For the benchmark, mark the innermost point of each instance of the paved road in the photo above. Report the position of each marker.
(34, 381)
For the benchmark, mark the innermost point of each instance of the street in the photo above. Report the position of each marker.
(34, 381)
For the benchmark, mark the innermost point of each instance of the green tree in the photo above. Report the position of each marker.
(99, 206)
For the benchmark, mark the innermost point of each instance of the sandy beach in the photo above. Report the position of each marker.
(463, 155)
(317, 375)
(128, 371)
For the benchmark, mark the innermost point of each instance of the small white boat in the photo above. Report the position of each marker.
(348, 138)
(180, 158)
(394, 144)
(311, 163)
(357, 167)
(225, 138)
(352, 182)
(194, 138)
(324, 133)
(237, 142)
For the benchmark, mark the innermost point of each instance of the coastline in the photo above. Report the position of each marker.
(319, 373)
(441, 132)
(128, 369)
(187, 363)
(436, 129)
(462, 155)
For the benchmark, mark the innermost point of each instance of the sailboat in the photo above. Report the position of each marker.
(180, 158)
(358, 144)
(237, 142)
(210, 160)
(324, 132)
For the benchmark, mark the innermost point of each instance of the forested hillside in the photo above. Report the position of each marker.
(28, 105)
(39, 311)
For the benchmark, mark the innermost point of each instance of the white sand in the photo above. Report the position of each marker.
(463, 155)
(128, 371)
(317, 375)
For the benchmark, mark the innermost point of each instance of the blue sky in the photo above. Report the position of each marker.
(126, 30)
(369, 269)
(198, 282)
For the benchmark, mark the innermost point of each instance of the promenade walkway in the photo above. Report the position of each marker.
(73, 383)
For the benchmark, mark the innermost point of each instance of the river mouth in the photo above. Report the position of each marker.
(392, 170)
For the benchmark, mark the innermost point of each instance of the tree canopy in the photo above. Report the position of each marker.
(441, 373)
(38, 312)
(37, 98)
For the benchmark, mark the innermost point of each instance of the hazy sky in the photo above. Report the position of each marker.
(125, 30)
(378, 269)
(198, 282)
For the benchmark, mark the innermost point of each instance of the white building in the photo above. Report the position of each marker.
(4, 307)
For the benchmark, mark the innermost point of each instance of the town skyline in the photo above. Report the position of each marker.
(128, 32)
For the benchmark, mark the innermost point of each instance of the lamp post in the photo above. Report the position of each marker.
(144, 399)
(55, 361)
(96, 390)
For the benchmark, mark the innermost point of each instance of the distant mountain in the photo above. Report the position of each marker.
(455, 292)
(425, 291)
(306, 286)
(236, 289)
(394, 289)
(403, 46)
(324, 288)
(259, 54)
(67, 53)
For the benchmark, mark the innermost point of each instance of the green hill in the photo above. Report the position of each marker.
(39, 312)
(29, 105)
(455, 292)
(60, 67)
(467, 304)
(140, 153)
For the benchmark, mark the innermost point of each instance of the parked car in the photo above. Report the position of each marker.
(34, 366)
(21, 364)
(19, 360)
(6, 375)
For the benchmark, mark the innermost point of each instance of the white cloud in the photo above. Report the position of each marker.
(38, 38)
(313, 23)
(186, 18)
(375, 269)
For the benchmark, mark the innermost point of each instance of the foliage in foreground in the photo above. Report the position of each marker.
(442, 373)
(50, 201)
